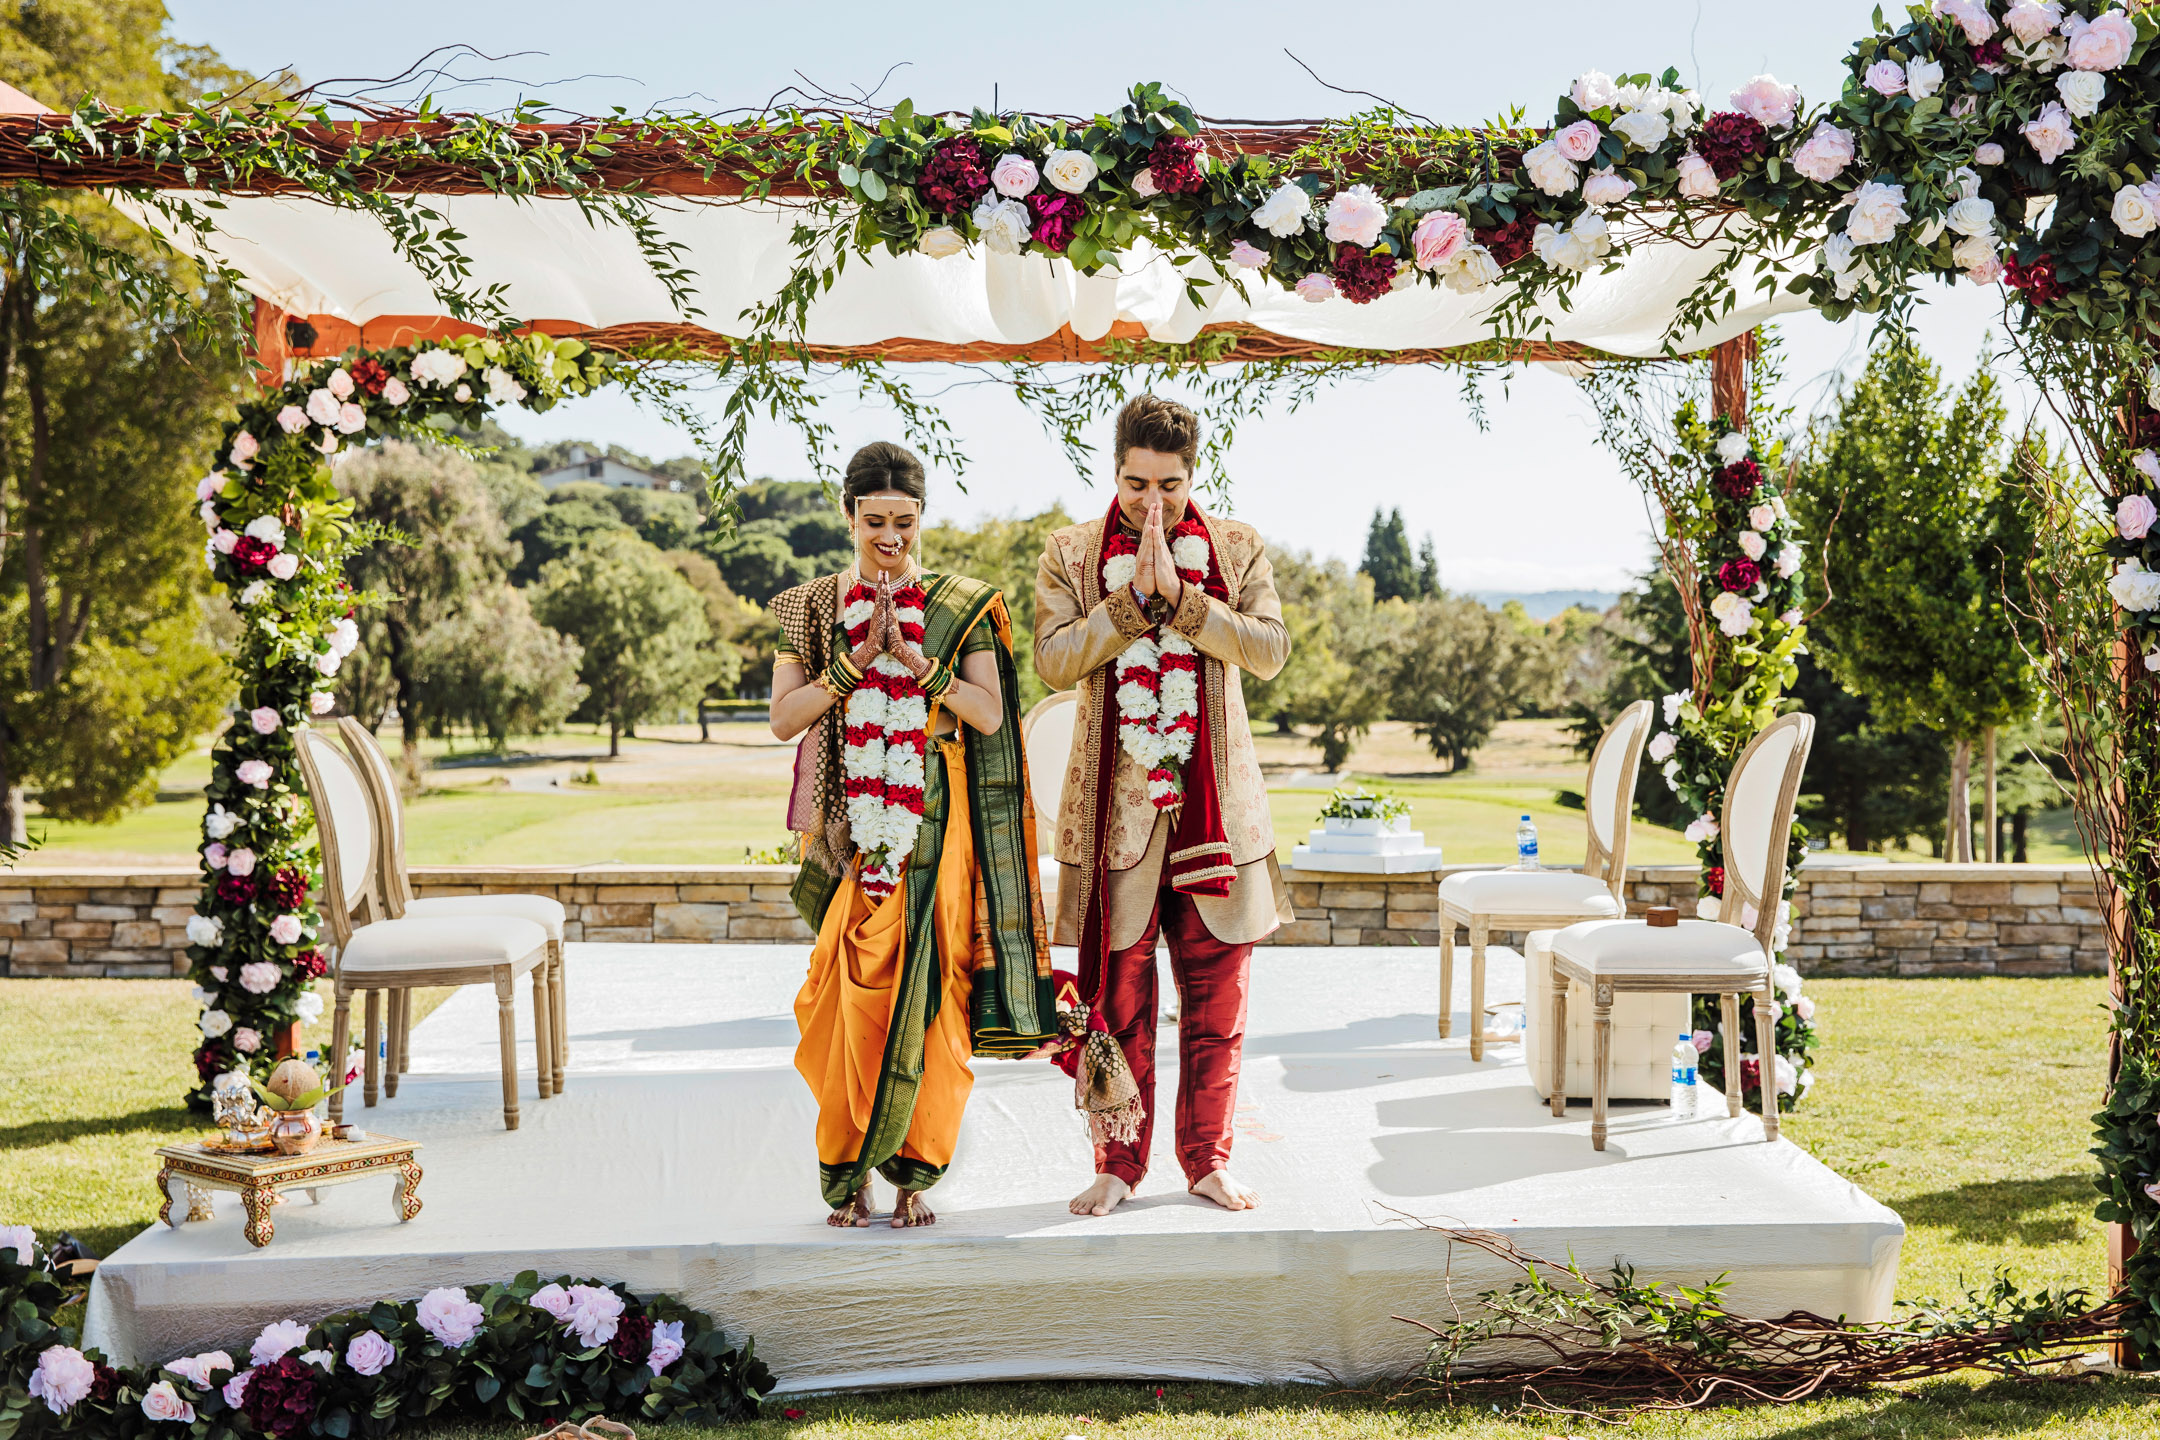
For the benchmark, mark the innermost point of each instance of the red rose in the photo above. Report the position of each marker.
(1716, 882)
(1055, 216)
(289, 888)
(369, 374)
(237, 889)
(1739, 480)
(954, 177)
(1510, 242)
(253, 556)
(1738, 575)
(633, 1339)
(2036, 281)
(311, 964)
(280, 1397)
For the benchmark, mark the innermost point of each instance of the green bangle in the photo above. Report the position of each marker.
(841, 677)
(938, 681)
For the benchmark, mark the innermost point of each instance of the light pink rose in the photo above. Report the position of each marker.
(1014, 175)
(1965, 107)
(329, 443)
(2032, 20)
(1144, 186)
(394, 392)
(253, 772)
(322, 702)
(292, 419)
(285, 930)
(260, 977)
(236, 1388)
(1316, 288)
(667, 1345)
(1437, 238)
(223, 540)
(1761, 517)
(195, 1369)
(1789, 619)
(278, 1339)
(1579, 141)
(284, 565)
(1972, 17)
(240, 861)
(450, 1317)
(162, 1402)
(244, 447)
(209, 486)
(1355, 216)
(322, 407)
(368, 1353)
(214, 854)
(1826, 154)
(1989, 154)
(2134, 516)
(264, 719)
(351, 418)
(2101, 43)
(595, 1312)
(1246, 255)
(1604, 189)
(1885, 77)
(327, 663)
(62, 1378)
(1698, 181)
(2050, 133)
(553, 1299)
(1767, 101)
(1751, 544)
(340, 383)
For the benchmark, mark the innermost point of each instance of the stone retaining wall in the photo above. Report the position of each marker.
(1848, 919)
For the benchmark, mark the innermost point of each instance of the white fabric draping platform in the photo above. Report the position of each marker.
(680, 1160)
(310, 258)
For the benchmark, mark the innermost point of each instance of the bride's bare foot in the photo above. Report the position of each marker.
(909, 1211)
(1225, 1190)
(1106, 1194)
(855, 1214)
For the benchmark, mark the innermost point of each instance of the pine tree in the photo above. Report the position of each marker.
(1388, 559)
(1428, 564)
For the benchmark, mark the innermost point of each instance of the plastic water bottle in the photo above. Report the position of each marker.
(1526, 844)
(1684, 1058)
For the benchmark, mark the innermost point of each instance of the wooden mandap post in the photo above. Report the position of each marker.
(1729, 377)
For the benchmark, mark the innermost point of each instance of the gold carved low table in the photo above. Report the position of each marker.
(260, 1180)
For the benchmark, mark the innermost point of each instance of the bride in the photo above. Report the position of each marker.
(918, 843)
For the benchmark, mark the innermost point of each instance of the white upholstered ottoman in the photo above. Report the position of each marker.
(1644, 1028)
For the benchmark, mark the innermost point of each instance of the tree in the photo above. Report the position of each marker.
(1336, 680)
(727, 619)
(1002, 551)
(1460, 669)
(662, 518)
(1388, 559)
(642, 628)
(574, 515)
(1924, 521)
(491, 666)
(757, 561)
(1428, 567)
(448, 545)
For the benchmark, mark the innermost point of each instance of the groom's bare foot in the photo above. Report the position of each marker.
(909, 1211)
(855, 1214)
(1227, 1191)
(1106, 1194)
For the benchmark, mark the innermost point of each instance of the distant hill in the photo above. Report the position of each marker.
(1544, 604)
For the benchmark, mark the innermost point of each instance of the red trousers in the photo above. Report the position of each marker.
(1212, 980)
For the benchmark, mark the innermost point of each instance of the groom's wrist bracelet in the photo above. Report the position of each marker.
(841, 677)
(937, 679)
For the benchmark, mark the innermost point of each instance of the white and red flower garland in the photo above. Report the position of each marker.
(886, 723)
(1158, 675)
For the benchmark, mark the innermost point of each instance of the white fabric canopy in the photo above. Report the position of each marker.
(310, 258)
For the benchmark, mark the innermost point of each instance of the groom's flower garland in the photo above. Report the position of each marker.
(1158, 675)
(885, 734)
(279, 535)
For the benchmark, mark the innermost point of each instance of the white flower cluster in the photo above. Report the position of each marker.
(1576, 248)
(884, 832)
(1146, 712)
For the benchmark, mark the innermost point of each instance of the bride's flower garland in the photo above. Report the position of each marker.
(1158, 675)
(886, 726)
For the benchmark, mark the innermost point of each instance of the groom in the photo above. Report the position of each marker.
(1151, 612)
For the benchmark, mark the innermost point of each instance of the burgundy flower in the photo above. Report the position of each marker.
(954, 177)
(1990, 56)
(1175, 165)
(1750, 1073)
(1510, 242)
(206, 1062)
(280, 1397)
(1738, 480)
(633, 1339)
(253, 556)
(104, 1383)
(369, 374)
(289, 888)
(1363, 276)
(311, 964)
(2037, 281)
(1728, 140)
(1739, 575)
(1716, 881)
(237, 889)
(1055, 215)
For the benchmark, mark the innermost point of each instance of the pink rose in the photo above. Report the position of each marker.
(162, 1402)
(1885, 77)
(253, 772)
(1973, 18)
(278, 1339)
(2050, 133)
(241, 861)
(209, 486)
(450, 1317)
(1437, 239)
(1604, 189)
(1826, 154)
(1698, 179)
(285, 930)
(2033, 20)
(1144, 186)
(1355, 216)
(1761, 517)
(394, 392)
(1579, 141)
(2101, 43)
(260, 977)
(195, 1369)
(369, 1354)
(223, 540)
(553, 1299)
(1246, 255)
(1702, 1040)
(62, 1378)
(340, 383)
(1014, 175)
(284, 565)
(236, 1388)
(1989, 154)
(264, 719)
(1769, 103)
(322, 702)
(292, 419)
(351, 418)
(322, 407)
(667, 1346)
(595, 1312)
(1315, 288)
(2134, 515)
(244, 448)
(214, 854)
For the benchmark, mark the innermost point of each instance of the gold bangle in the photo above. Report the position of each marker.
(938, 681)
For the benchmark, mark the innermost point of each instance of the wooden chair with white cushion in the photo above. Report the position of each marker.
(395, 885)
(1046, 738)
(1483, 901)
(1702, 957)
(375, 955)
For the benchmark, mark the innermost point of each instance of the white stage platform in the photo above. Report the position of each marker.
(680, 1160)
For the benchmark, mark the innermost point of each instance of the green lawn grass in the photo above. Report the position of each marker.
(1962, 1104)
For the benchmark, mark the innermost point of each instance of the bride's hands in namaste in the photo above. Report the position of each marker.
(874, 641)
(897, 644)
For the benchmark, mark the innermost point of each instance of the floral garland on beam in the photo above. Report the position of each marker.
(279, 535)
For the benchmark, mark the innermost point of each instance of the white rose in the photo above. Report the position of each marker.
(1972, 216)
(1604, 189)
(1731, 446)
(1070, 170)
(1594, 90)
(1923, 78)
(503, 387)
(267, 529)
(2133, 213)
(1355, 216)
(1284, 213)
(205, 930)
(1989, 154)
(2081, 91)
(1004, 224)
(1877, 211)
(2134, 587)
(256, 592)
(2042, 55)
(1974, 252)
(219, 823)
(1643, 129)
(1473, 271)
(1751, 544)
(310, 1006)
(1732, 612)
(1662, 745)
(941, 241)
(214, 1024)
(1549, 170)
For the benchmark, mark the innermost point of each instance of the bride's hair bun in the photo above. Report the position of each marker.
(882, 466)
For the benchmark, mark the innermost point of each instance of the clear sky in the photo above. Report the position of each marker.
(1531, 503)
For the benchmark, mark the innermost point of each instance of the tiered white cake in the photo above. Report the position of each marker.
(1369, 846)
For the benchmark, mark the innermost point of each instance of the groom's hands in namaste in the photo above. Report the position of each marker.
(1156, 573)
